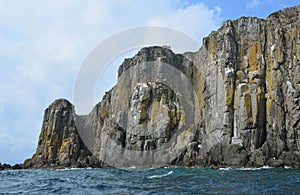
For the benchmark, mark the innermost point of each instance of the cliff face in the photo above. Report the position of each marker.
(236, 103)
(252, 91)
(59, 143)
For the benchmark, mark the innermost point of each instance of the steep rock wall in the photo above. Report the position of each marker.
(236, 104)
(59, 143)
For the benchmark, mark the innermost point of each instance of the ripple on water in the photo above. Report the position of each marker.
(172, 180)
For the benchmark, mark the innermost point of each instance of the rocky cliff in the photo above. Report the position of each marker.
(235, 102)
(59, 143)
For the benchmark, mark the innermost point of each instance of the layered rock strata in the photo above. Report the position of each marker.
(235, 102)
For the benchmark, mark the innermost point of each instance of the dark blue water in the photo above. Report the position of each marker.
(151, 181)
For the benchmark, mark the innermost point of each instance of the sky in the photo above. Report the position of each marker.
(43, 44)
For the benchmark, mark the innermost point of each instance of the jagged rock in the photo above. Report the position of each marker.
(5, 166)
(59, 143)
(1, 167)
(235, 102)
(17, 166)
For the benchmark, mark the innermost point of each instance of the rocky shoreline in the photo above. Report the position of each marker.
(6, 166)
(18, 166)
(21, 166)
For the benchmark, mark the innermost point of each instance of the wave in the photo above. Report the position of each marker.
(245, 168)
(160, 176)
(225, 168)
(73, 169)
(255, 169)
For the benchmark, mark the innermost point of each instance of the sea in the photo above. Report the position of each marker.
(168, 180)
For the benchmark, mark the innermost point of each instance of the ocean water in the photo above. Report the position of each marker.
(170, 180)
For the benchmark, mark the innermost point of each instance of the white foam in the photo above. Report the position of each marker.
(249, 169)
(72, 169)
(246, 168)
(67, 169)
(255, 169)
(267, 167)
(160, 176)
(225, 168)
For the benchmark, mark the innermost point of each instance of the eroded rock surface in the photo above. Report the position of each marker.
(235, 102)
(59, 143)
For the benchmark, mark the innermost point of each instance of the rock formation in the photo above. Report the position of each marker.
(5, 166)
(235, 102)
(59, 143)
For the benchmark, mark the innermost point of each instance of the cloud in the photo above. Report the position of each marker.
(5, 138)
(196, 20)
(43, 43)
(252, 4)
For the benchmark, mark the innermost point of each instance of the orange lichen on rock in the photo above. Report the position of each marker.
(247, 103)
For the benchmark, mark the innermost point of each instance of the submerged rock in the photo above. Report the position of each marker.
(235, 102)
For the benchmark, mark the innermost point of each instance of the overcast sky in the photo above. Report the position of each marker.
(43, 43)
